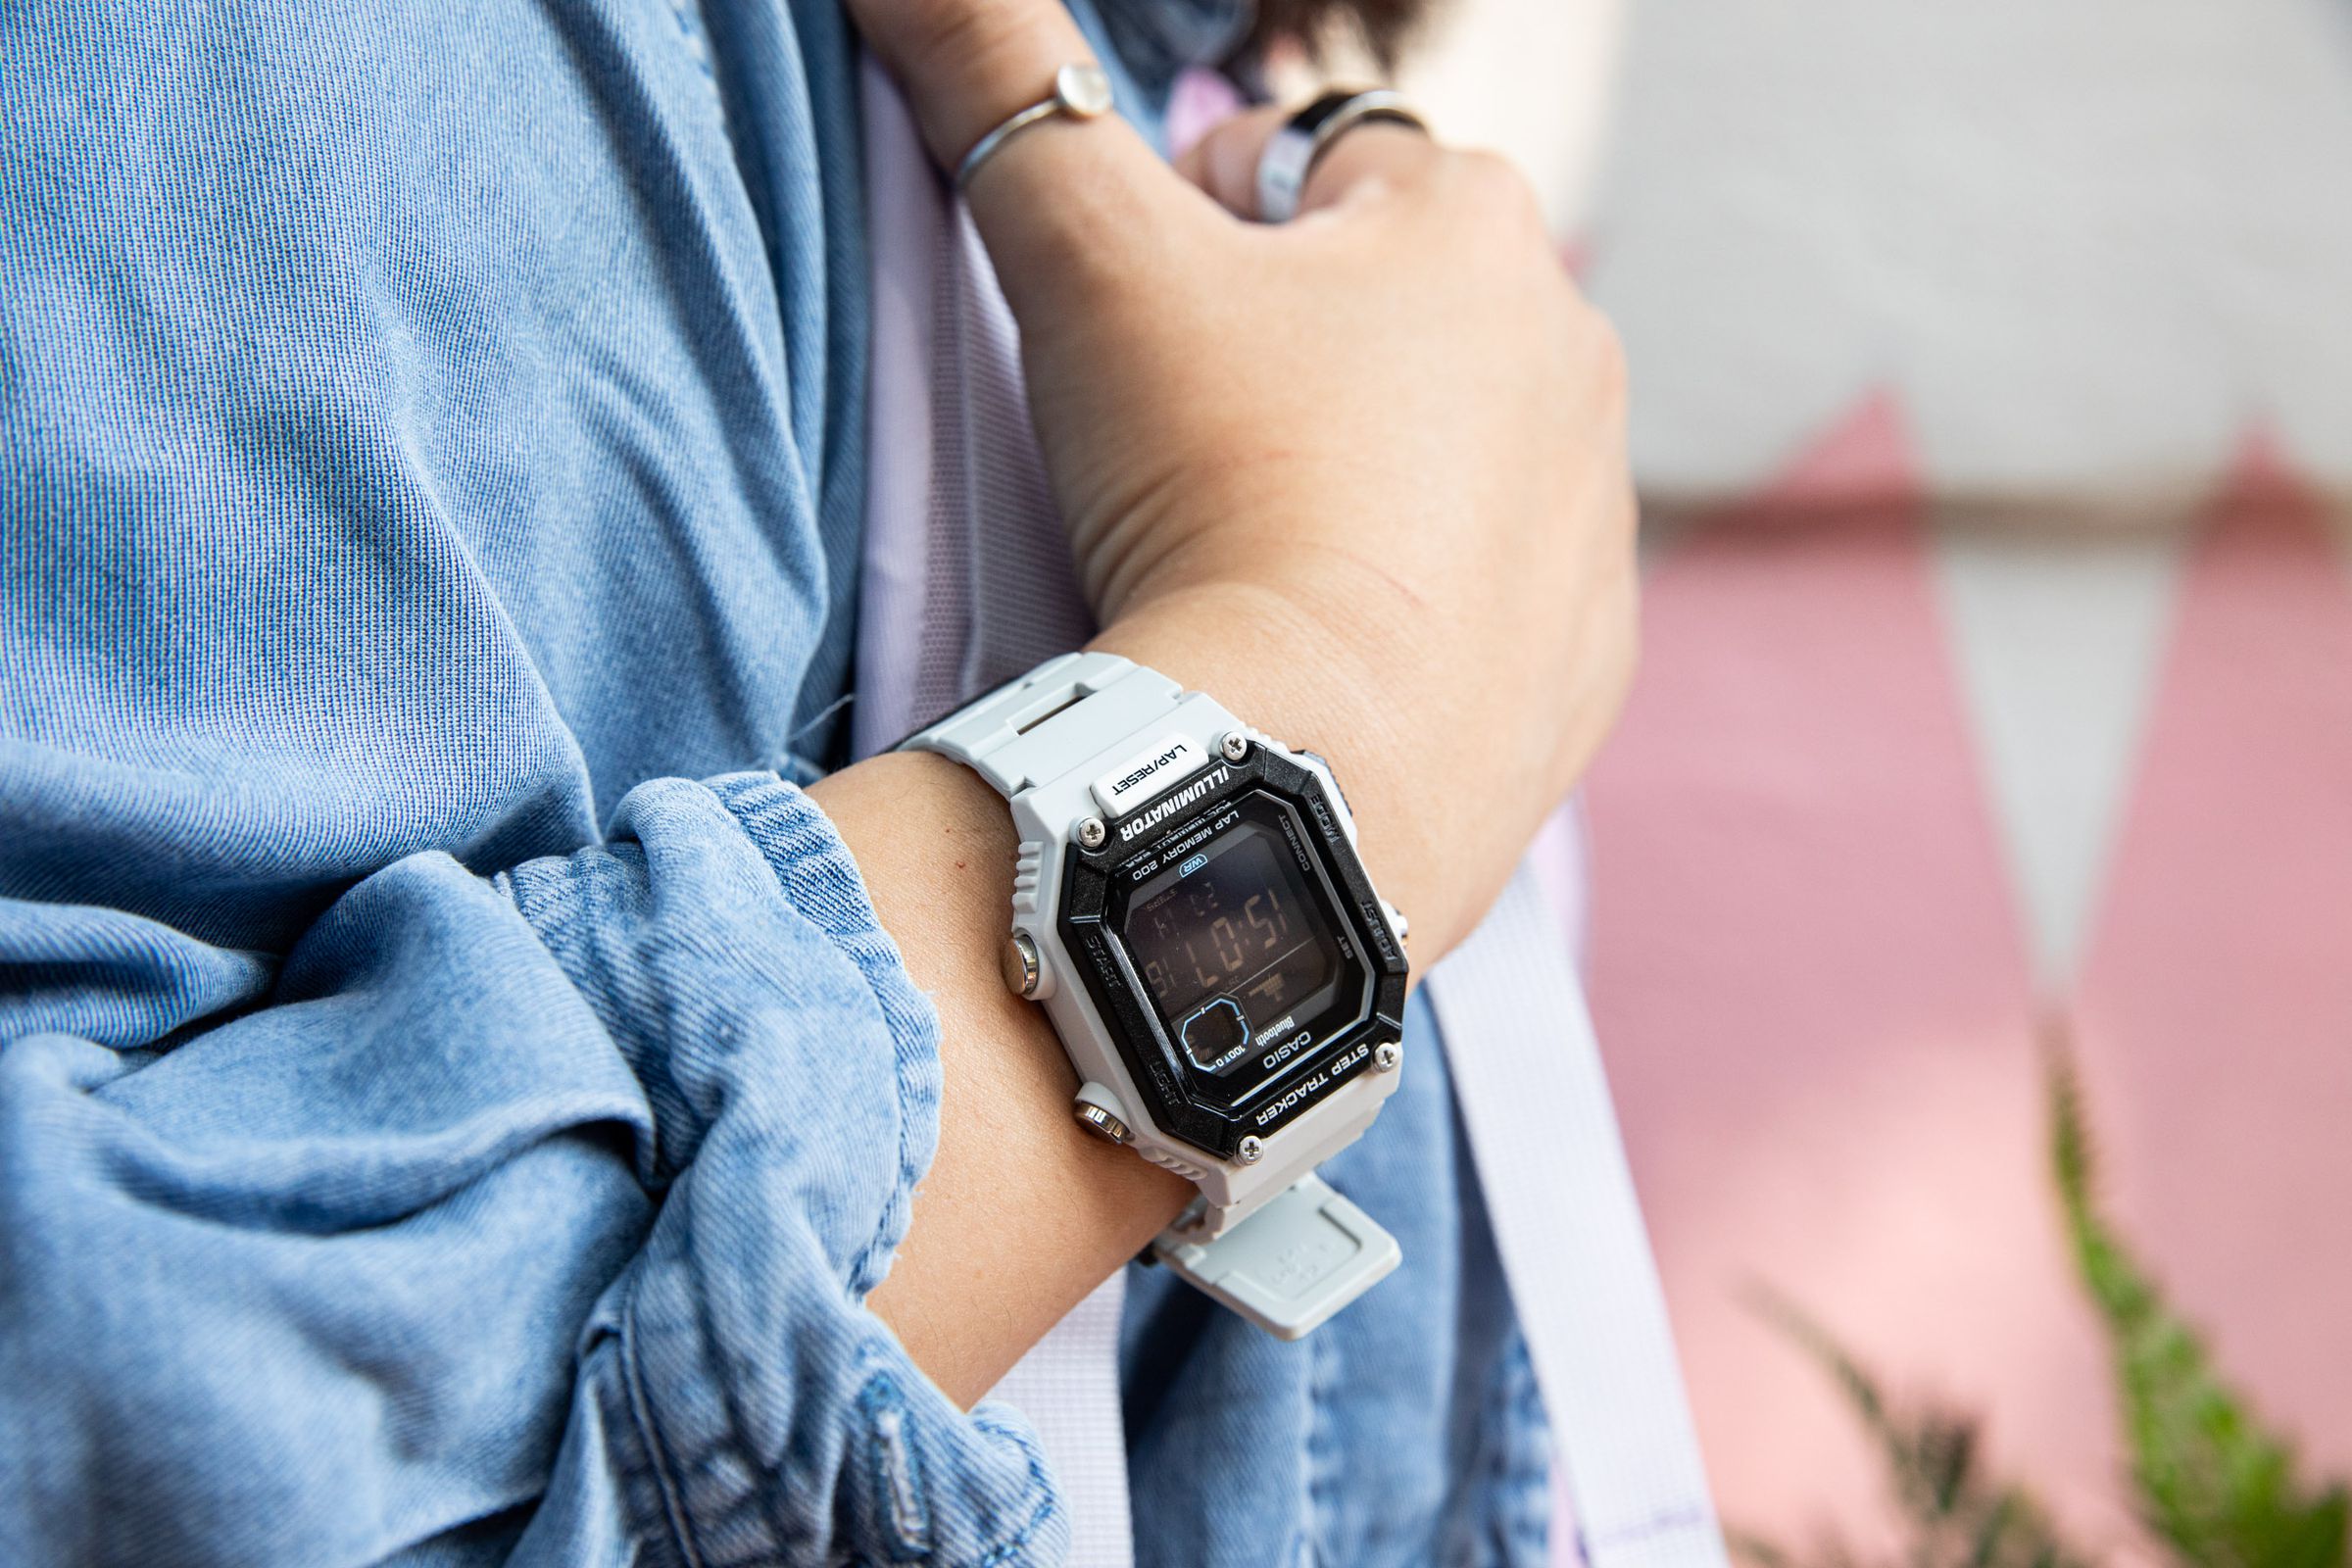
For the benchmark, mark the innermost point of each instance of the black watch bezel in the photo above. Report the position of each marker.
(1264, 787)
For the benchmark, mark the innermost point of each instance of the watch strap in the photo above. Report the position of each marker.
(1051, 720)
(1286, 1259)
(1295, 1261)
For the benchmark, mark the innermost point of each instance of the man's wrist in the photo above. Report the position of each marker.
(1281, 668)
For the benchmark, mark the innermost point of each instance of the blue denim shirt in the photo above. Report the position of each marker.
(421, 427)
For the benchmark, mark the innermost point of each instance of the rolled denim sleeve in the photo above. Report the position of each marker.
(759, 1412)
(523, 1217)
(422, 427)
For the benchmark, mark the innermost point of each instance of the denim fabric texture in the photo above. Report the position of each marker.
(421, 424)
(454, 1094)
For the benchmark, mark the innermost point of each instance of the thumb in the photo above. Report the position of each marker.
(1063, 199)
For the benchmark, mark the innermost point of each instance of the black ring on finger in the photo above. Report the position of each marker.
(1292, 153)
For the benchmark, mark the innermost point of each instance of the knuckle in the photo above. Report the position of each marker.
(1493, 186)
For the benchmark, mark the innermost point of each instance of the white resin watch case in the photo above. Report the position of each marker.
(1079, 745)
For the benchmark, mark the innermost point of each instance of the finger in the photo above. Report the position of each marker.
(1062, 202)
(968, 63)
(1374, 151)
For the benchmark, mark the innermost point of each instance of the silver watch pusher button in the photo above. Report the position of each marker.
(1021, 970)
(1101, 1123)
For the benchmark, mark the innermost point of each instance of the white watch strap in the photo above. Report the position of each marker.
(1005, 738)
(1289, 1266)
(1288, 1260)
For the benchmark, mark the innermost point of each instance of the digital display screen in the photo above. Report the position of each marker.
(1230, 943)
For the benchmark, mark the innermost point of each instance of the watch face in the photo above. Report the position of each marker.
(1236, 954)
(1234, 947)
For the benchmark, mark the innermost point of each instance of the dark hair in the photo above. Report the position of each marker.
(1382, 27)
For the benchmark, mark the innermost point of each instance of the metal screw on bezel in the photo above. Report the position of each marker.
(1091, 833)
(1250, 1150)
(1388, 1055)
(1235, 746)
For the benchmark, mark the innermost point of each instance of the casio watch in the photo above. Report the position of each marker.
(1189, 909)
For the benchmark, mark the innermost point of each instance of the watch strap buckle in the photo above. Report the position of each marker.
(1291, 1263)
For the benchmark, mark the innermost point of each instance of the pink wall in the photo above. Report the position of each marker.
(1812, 989)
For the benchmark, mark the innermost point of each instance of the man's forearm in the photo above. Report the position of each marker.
(1022, 1213)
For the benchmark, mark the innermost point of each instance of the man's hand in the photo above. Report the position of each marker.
(1361, 475)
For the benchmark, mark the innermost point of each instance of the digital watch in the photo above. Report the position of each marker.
(1189, 908)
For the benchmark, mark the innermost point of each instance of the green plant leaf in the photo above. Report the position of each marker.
(1958, 1516)
(2212, 1482)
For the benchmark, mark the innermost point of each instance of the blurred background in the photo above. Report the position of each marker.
(1992, 405)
